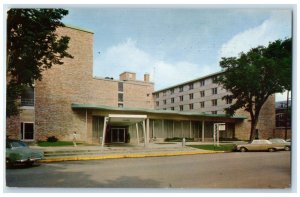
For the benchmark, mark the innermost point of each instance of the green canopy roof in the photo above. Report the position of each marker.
(153, 111)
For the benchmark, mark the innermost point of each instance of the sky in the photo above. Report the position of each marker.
(175, 44)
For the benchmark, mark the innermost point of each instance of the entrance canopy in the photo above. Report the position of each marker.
(125, 119)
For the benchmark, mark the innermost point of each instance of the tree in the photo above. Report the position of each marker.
(254, 76)
(32, 47)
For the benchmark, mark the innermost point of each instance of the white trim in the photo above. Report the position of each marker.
(126, 116)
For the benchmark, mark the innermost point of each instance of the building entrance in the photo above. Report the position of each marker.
(117, 135)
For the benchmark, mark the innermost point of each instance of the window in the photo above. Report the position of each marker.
(191, 96)
(181, 89)
(181, 98)
(165, 101)
(214, 112)
(164, 93)
(27, 97)
(191, 106)
(202, 104)
(202, 93)
(214, 79)
(120, 86)
(157, 103)
(202, 83)
(181, 107)
(191, 86)
(228, 100)
(157, 95)
(172, 91)
(164, 108)
(214, 91)
(120, 105)
(120, 97)
(172, 108)
(27, 131)
(172, 100)
(214, 102)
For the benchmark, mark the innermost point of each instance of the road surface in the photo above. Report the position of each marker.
(224, 170)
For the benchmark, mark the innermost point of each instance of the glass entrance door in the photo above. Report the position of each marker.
(117, 135)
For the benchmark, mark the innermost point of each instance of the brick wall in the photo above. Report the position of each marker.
(265, 125)
(73, 82)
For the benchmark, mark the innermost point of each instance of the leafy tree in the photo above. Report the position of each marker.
(32, 47)
(254, 76)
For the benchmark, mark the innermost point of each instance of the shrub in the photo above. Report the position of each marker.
(178, 139)
(52, 139)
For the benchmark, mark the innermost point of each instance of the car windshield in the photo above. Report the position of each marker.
(17, 144)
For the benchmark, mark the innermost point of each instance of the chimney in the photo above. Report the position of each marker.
(125, 76)
(146, 77)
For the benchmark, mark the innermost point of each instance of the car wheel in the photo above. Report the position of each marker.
(243, 149)
(272, 149)
(9, 164)
(287, 148)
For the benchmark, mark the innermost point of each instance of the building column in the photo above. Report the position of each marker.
(104, 130)
(190, 129)
(153, 131)
(148, 129)
(203, 130)
(137, 133)
(144, 131)
(163, 127)
(173, 129)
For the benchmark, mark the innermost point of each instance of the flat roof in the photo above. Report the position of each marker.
(153, 111)
(187, 82)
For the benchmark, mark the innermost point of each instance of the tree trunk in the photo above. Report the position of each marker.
(254, 121)
(286, 115)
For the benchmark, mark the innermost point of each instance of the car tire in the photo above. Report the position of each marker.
(9, 164)
(287, 148)
(243, 149)
(271, 149)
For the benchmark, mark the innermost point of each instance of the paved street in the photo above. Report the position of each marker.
(228, 170)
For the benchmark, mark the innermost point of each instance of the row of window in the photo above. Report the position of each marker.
(202, 93)
(191, 96)
(120, 95)
(214, 102)
(191, 106)
(191, 87)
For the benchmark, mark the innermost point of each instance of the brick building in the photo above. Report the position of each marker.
(69, 99)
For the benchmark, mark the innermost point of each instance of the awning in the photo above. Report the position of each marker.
(124, 119)
(153, 111)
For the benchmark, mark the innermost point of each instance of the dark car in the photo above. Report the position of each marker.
(18, 152)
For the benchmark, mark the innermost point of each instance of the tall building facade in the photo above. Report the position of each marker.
(205, 95)
(104, 110)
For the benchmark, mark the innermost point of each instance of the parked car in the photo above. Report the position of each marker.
(18, 152)
(259, 145)
(287, 145)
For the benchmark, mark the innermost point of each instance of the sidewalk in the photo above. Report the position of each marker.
(70, 153)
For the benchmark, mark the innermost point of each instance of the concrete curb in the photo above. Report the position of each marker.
(119, 156)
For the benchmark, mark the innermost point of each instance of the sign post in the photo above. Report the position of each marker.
(217, 128)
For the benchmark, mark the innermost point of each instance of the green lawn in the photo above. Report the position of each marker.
(58, 143)
(227, 147)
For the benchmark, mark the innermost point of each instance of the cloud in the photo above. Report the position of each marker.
(277, 26)
(126, 56)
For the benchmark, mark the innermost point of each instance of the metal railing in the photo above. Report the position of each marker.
(27, 102)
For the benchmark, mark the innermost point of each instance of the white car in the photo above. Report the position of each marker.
(259, 145)
(287, 145)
